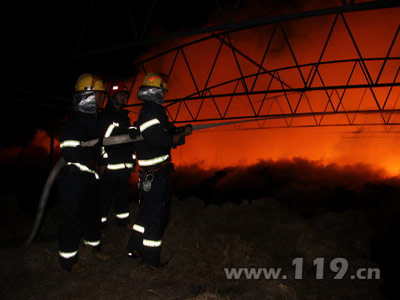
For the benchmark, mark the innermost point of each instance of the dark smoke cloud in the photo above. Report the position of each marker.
(25, 170)
(307, 186)
(34, 153)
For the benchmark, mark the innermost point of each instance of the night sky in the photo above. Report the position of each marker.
(45, 61)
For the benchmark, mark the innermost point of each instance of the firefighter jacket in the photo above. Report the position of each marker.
(116, 122)
(80, 128)
(155, 148)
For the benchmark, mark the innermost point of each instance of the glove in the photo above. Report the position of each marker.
(178, 140)
(134, 133)
(184, 130)
(188, 129)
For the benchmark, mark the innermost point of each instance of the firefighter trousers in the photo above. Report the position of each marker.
(152, 219)
(114, 188)
(79, 215)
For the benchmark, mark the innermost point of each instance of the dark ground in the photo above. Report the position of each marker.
(261, 216)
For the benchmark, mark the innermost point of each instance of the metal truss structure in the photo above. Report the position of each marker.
(354, 90)
(302, 68)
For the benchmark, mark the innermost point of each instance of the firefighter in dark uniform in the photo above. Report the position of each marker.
(119, 160)
(154, 160)
(78, 181)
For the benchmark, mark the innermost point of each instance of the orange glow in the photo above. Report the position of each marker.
(226, 146)
(230, 148)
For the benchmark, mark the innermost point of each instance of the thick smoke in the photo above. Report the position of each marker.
(310, 187)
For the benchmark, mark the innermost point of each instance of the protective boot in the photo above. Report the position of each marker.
(104, 225)
(124, 223)
(157, 266)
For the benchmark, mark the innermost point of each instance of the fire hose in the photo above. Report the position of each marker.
(113, 140)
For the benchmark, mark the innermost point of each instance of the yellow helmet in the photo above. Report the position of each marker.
(157, 80)
(89, 82)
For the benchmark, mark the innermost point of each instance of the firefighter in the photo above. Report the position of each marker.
(119, 160)
(79, 179)
(154, 160)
